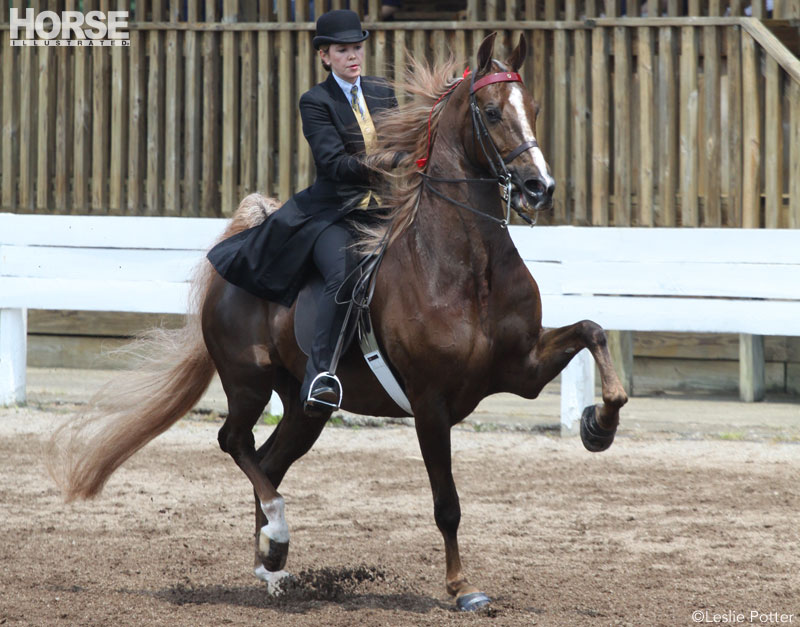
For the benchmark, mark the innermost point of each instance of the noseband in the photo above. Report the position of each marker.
(497, 163)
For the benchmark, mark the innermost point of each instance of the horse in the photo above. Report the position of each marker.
(451, 289)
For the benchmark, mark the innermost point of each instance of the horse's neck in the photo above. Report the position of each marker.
(453, 241)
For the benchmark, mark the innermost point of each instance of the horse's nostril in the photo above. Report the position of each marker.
(535, 188)
(550, 189)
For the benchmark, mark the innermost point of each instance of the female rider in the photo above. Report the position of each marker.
(271, 260)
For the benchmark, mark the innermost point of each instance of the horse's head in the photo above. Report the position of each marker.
(502, 131)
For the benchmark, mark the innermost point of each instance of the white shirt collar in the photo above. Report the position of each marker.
(346, 87)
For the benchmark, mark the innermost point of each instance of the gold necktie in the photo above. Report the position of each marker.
(354, 101)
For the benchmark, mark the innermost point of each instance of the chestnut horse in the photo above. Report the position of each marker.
(452, 289)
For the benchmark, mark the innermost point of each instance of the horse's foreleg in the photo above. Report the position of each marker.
(433, 432)
(552, 353)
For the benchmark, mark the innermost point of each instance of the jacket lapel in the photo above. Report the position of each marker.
(341, 104)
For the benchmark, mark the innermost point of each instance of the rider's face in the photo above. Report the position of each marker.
(345, 60)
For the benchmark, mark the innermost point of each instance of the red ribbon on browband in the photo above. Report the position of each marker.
(497, 77)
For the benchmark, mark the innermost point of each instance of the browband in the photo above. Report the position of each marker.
(497, 77)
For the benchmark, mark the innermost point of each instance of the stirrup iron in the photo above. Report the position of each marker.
(334, 382)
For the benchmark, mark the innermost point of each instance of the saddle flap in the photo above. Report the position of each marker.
(305, 315)
(305, 312)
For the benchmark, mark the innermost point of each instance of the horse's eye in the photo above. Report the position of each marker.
(493, 114)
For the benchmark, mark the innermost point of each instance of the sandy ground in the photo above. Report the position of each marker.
(665, 524)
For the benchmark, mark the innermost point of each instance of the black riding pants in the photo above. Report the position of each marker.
(331, 258)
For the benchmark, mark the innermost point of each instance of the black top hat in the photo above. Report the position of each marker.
(340, 26)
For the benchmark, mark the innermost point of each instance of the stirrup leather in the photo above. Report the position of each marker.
(334, 382)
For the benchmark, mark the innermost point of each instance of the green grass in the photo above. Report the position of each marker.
(270, 419)
(735, 436)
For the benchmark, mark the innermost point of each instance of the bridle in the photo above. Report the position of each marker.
(481, 136)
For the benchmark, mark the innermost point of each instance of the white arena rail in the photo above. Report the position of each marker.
(691, 280)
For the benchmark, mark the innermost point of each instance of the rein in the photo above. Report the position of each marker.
(497, 163)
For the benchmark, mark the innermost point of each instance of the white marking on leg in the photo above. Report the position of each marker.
(276, 528)
(275, 581)
(516, 101)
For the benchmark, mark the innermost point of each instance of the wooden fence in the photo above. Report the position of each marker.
(652, 121)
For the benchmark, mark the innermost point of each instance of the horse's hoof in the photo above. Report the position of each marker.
(277, 582)
(593, 436)
(274, 557)
(472, 602)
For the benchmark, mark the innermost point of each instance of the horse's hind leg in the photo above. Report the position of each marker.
(552, 353)
(292, 438)
(247, 394)
(238, 330)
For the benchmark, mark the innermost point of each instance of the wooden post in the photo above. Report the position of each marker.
(751, 135)
(101, 120)
(711, 125)
(304, 76)
(286, 105)
(667, 128)
(230, 110)
(577, 391)
(620, 344)
(210, 168)
(10, 121)
(120, 58)
(399, 64)
(13, 348)
(600, 127)
(472, 11)
(773, 146)
(646, 127)
(580, 126)
(44, 151)
(734, 214)
(622, 126)
(265, 173)
(27, 125)
(688, 126)
(155, 115)
(192, 145)
(794, 156)
(137, 120)
(751, 367)
(559, 148)
(173, 111)
(248, 124)
(64, 126)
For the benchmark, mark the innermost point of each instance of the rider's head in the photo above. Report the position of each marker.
(339, 40)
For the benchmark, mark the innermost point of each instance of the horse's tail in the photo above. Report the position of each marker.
(174, 370)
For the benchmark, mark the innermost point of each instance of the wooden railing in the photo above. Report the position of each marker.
(651, 121)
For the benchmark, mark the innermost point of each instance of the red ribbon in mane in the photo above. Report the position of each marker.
(421, 163)
(497, 77)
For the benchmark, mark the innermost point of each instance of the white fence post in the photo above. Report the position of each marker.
(577, 391)
(751, 367)
(13, 347)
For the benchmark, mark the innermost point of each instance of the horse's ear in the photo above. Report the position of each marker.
(518, 55)
(485, 53)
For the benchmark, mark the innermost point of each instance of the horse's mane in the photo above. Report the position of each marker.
(404, 129)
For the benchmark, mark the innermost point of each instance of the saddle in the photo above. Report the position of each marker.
(358, 323)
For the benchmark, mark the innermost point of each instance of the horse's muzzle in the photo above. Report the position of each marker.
(539, 192)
